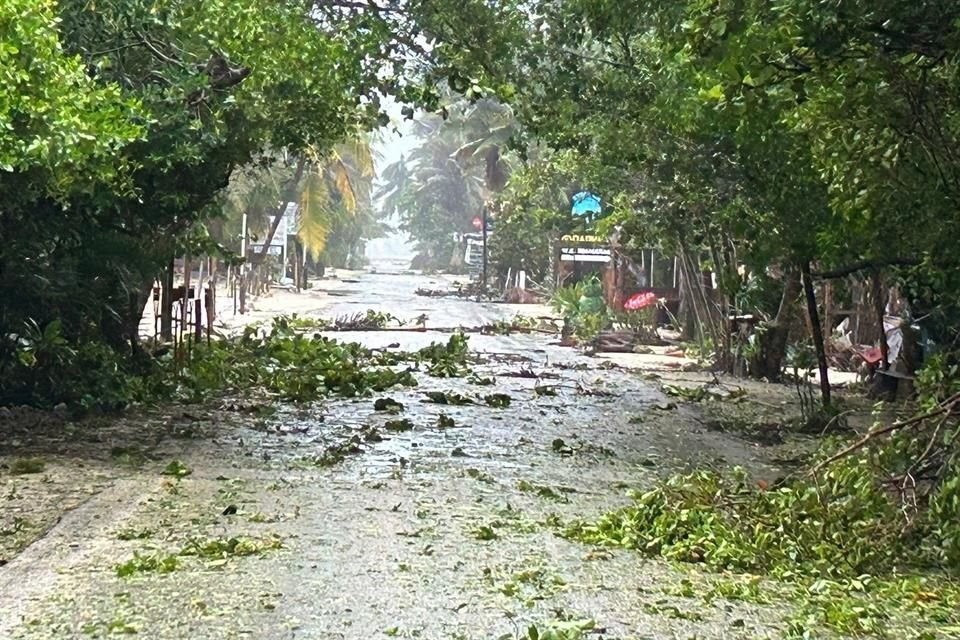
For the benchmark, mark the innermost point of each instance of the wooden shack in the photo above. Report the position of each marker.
(581, 255)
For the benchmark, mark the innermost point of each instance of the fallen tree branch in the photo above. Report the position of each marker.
(944, 408)
(485, 329)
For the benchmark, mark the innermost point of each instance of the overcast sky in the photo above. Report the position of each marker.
(395, 140)
(391, 143)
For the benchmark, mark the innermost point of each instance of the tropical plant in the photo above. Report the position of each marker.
(447, 179)
(335, 200)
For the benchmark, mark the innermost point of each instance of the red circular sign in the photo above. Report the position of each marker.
(476, 222)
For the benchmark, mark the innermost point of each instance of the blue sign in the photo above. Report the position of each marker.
(585, 203)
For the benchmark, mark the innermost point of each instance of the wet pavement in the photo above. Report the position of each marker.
(448, 530)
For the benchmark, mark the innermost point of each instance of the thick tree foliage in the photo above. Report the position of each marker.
(788, 137)
(123, 120)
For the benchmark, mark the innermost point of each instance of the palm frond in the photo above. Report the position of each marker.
(344, 187)
(314, 223)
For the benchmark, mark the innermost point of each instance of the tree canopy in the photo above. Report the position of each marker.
(122, 122)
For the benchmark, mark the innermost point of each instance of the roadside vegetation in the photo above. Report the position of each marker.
(283, 360)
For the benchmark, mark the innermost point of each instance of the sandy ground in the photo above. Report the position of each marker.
(433, 533)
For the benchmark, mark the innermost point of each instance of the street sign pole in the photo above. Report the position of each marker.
(483, 286)
(243, 267)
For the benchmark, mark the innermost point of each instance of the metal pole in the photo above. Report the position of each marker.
(243, 266)
(483, 285)
(243, 237)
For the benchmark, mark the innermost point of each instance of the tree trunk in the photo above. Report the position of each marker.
(166, 304)
(817, 331)
(771, 350)
(288, 195)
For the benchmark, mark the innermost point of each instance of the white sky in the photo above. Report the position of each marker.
(389, 145)
(396, 139)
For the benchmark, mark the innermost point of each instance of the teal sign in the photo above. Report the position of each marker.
(586, 203)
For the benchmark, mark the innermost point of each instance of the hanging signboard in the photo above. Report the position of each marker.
(584, 254)
(586, 203)
(577, 247)
(577, 238)
(273, 250)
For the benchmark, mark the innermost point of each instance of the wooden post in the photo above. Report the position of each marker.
(303, 269)
(483, 222)
(878, 305)
(243, 267)
(827, 309)
(187, 269)
(296, 264)
(243, 292)
(211, 305)
(166, 303)
(198, 319)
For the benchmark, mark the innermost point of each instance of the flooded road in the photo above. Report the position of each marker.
(447, 529)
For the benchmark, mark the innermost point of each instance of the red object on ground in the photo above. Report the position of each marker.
(872, 356)
(640, 300)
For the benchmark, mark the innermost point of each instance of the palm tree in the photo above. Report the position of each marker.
(333, 191)
(449, 176)
(396, 179)
(488, 125)
(254, 190)
(337, 195)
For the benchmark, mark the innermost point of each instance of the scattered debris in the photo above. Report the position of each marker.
(337, 453)
(498, 400)
(448, 397)
(177, 469)
(560, 446)
(26, 466)
(398, 426)
(445, 422)
(387, 404)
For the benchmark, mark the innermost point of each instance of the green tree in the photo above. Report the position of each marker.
(124, 120)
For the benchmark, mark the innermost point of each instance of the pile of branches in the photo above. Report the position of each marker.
(459, 290)
(920, 453)
(365, 321)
